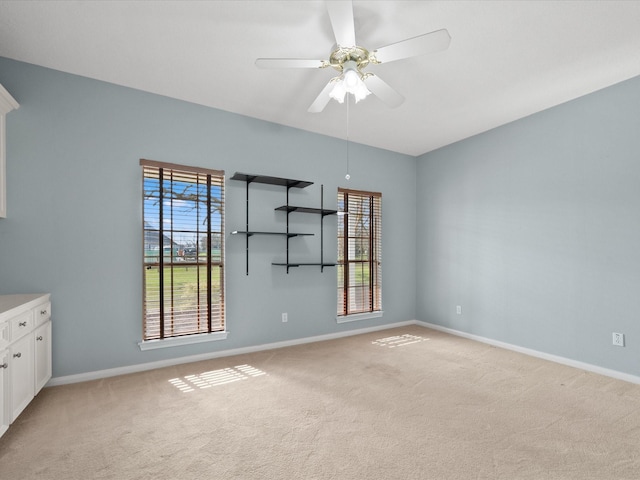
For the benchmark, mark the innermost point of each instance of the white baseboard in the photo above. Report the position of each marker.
(141, 367)
(112, 372)
(534, 353)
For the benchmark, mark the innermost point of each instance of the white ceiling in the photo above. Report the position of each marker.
(507, 59)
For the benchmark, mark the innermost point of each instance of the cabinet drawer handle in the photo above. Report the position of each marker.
(39, 338)
(43, 312)
(17, 355)
(4, 365)
(22, 324)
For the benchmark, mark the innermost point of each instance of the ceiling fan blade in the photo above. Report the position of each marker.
(341, 15)
(383, 91)
(412, 47)
(321, 100)
(289, 63)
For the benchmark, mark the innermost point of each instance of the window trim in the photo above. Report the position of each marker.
(354, 317)
(182, 340)
(184, 168)
(215, 178)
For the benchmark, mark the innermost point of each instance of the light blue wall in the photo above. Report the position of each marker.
(534, 229)
(74, 215)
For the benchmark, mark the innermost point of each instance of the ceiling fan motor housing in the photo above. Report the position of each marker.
(356, 54)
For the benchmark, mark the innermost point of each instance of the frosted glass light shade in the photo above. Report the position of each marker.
(349, 82)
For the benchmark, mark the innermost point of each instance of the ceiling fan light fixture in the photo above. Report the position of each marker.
(360, 91)
(338, 91)
(349, 82)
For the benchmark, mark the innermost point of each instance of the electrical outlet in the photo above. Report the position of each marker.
(285, 318)
(458, 309)
(618, 339)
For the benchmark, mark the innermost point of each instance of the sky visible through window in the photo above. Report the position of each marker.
(184, 211)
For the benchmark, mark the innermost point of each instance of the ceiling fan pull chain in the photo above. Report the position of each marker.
(348, 176)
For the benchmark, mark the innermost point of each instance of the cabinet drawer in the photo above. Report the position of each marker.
(42, 313)
(21, 325)
(4, 335)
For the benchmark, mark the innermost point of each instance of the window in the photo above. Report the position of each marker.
(359, 252)
(183, 260)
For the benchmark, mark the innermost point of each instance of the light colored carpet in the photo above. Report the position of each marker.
(408, 403)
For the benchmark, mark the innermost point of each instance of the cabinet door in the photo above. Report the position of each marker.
(22, 375)
(4, 391)
(42, 356)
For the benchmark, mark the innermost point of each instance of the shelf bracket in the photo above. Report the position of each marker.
(248, 181)
(322, 228)
(288, 188)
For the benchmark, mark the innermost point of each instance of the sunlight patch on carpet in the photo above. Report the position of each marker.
(399, 340)
(214, 378)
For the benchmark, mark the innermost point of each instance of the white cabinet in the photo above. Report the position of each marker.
(5, 416)
(7, 103)
(25, 352)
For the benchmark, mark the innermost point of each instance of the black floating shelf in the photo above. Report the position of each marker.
(288, 183)
(248, 234)
(283, 182)
(320, 211)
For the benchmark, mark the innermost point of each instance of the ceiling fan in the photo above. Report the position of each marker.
(350, 60)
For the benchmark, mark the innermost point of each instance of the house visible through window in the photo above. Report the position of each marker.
(183, 266)
(359, 252)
